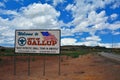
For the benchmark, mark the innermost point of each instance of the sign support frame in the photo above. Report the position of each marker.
(44, 64)
(59, 73)
(29, 64)
(14, 63)
(44, 57)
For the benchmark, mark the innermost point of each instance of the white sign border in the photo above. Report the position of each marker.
(39, 30)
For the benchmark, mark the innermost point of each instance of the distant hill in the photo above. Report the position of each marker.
(77, 47)
(1, 47)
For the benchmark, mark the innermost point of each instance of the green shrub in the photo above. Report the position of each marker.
(0, 60)
(75, 56)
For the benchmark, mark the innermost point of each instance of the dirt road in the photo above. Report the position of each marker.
(86, 67)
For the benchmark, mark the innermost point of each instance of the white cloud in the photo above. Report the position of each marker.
(1, 41)
(116, 45)
(37, 15)
(55, 2)
(39, 10)
(68, 41)
(110, 45)
(114, 26)
(86, 19)
(8, 12)
(73, 41)
(107, 45)
(104, 32)
(6, 35)
(83, 7)
(45, 16)
(116, 33)
(93, 38)
(116, 4)
(34, 16)
(96, 18)
(2, 4)
(90, 43)
(92, 23)
(81, 27)
(66, 32)
(113, 16)
(41, 15)
(70, 7)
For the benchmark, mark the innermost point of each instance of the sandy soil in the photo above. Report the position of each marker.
(86, 67)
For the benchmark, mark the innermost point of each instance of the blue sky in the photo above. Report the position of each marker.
(82, 22)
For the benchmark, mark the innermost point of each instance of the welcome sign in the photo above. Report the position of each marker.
(37, 41)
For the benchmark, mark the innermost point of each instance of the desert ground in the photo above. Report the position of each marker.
(85, 67)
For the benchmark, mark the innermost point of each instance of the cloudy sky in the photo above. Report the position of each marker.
(82, 22)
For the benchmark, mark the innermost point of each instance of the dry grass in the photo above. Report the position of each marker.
(85, 67)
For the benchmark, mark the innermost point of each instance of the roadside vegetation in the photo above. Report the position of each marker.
(68, 51)
(73, 51)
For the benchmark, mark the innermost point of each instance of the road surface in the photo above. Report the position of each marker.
(110, 55)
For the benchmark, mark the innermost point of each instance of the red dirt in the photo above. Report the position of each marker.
(86, 67)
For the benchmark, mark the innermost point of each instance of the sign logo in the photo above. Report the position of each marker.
(48, 36)
(21, 41)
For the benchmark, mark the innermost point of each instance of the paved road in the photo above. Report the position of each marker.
(110, 55)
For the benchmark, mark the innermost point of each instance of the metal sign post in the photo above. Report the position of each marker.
(14, 64)
(44, 64)
(59, 73)
(29, 65)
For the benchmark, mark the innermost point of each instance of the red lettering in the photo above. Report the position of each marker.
(36, 41)
(29, 42)
(53, 42)
(48, 42)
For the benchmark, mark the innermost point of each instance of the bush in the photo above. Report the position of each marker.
(74, 55)
(2, 49)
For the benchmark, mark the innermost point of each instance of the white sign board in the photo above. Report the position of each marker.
(37, 41)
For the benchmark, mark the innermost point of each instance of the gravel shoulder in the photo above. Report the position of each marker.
(86, 67)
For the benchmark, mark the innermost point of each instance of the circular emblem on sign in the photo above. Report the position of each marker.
(22, 41)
